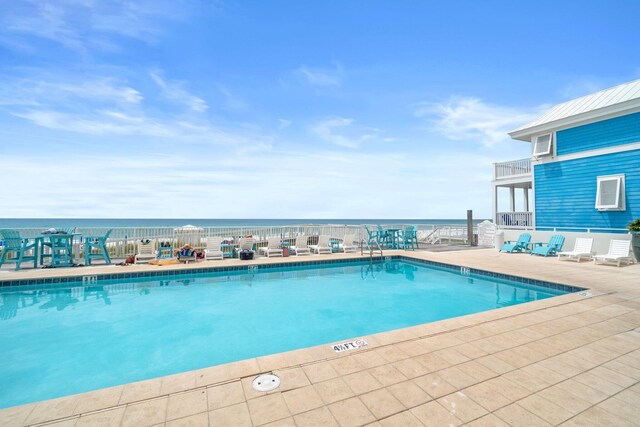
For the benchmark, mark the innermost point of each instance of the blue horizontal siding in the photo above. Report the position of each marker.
(565, 192)
(606, 133)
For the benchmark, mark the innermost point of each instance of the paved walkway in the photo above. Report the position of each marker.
(572, 360)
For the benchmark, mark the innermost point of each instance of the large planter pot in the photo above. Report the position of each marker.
(635, 245)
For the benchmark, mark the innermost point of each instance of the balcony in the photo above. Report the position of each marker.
(512, 169)
(514, 219)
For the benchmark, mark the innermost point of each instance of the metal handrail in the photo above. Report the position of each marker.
(362, 244)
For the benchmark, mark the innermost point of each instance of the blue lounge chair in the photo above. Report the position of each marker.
(23, 249)
(100, 244)
(519, 246)
(552, 248)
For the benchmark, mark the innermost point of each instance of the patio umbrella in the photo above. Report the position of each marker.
(189, 234)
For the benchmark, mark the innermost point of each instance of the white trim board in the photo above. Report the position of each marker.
(590, 153)
(515, 179)
(616, 110)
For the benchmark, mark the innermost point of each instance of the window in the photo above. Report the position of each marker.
(610, 193)
(542, 145)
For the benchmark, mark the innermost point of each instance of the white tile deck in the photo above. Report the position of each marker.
(569, 360)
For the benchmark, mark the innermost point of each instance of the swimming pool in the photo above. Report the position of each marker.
(71, 338)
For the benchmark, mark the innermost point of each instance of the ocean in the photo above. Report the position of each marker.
(202, 222)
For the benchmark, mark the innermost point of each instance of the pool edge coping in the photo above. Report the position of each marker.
(97, 277)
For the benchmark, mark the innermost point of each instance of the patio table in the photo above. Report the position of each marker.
(228, 250)
(61, 246)
(165, 251)
(393, 241)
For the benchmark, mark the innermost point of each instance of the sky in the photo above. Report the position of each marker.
(286, 109)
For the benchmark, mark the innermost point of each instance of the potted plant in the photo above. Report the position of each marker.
(634, 229)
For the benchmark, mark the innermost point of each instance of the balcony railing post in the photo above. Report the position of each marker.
(512, 168)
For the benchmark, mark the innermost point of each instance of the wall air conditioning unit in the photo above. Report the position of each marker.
(543, 145)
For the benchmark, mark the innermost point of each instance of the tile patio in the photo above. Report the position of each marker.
(572, 360)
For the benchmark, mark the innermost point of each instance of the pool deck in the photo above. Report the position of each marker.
(572, 360)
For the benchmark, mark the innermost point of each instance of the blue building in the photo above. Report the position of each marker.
(584, 169)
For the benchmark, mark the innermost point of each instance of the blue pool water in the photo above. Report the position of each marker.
(70, 340)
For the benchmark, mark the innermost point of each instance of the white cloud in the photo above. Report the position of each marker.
(99, 123)
(283, 124)
(586, 85)
(340, 131)
(329, 184)
(232, 102)
(175, 91)
(102, 106)
(46, 20)
(45, 89)
(468, 118)
(321, 77)
(82, 25)
(117, 123)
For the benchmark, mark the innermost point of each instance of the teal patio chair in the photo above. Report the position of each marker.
(383, 236)
(519, 246)
(409, 237)
(552, 248)
(372, 236)
(98, 243)
(23, 249)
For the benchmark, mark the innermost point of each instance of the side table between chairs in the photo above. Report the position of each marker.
(60, 247)
(393, 238)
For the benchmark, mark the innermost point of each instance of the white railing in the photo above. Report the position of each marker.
(514, 219)
(122, 240)
(511, 168)
(439, 234)
(585, 230)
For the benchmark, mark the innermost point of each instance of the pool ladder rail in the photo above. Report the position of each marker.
(371, 248)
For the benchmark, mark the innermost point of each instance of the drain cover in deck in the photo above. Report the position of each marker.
(266, 382)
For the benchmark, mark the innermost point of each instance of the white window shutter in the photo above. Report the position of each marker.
(542, 145)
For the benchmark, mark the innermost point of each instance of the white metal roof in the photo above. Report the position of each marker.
(609, 101)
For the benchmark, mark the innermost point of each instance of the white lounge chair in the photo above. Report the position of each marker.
(145, 251)
(301, 247)
(581, 249)
(618, 251)
(348, 243)
(273, 247)
(323, 246)
(213, 249)
(246, 244)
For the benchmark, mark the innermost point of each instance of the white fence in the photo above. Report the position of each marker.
(121, 242)
(439, 234)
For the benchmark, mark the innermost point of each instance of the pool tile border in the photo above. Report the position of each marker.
(499, 276)
(79, 280)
